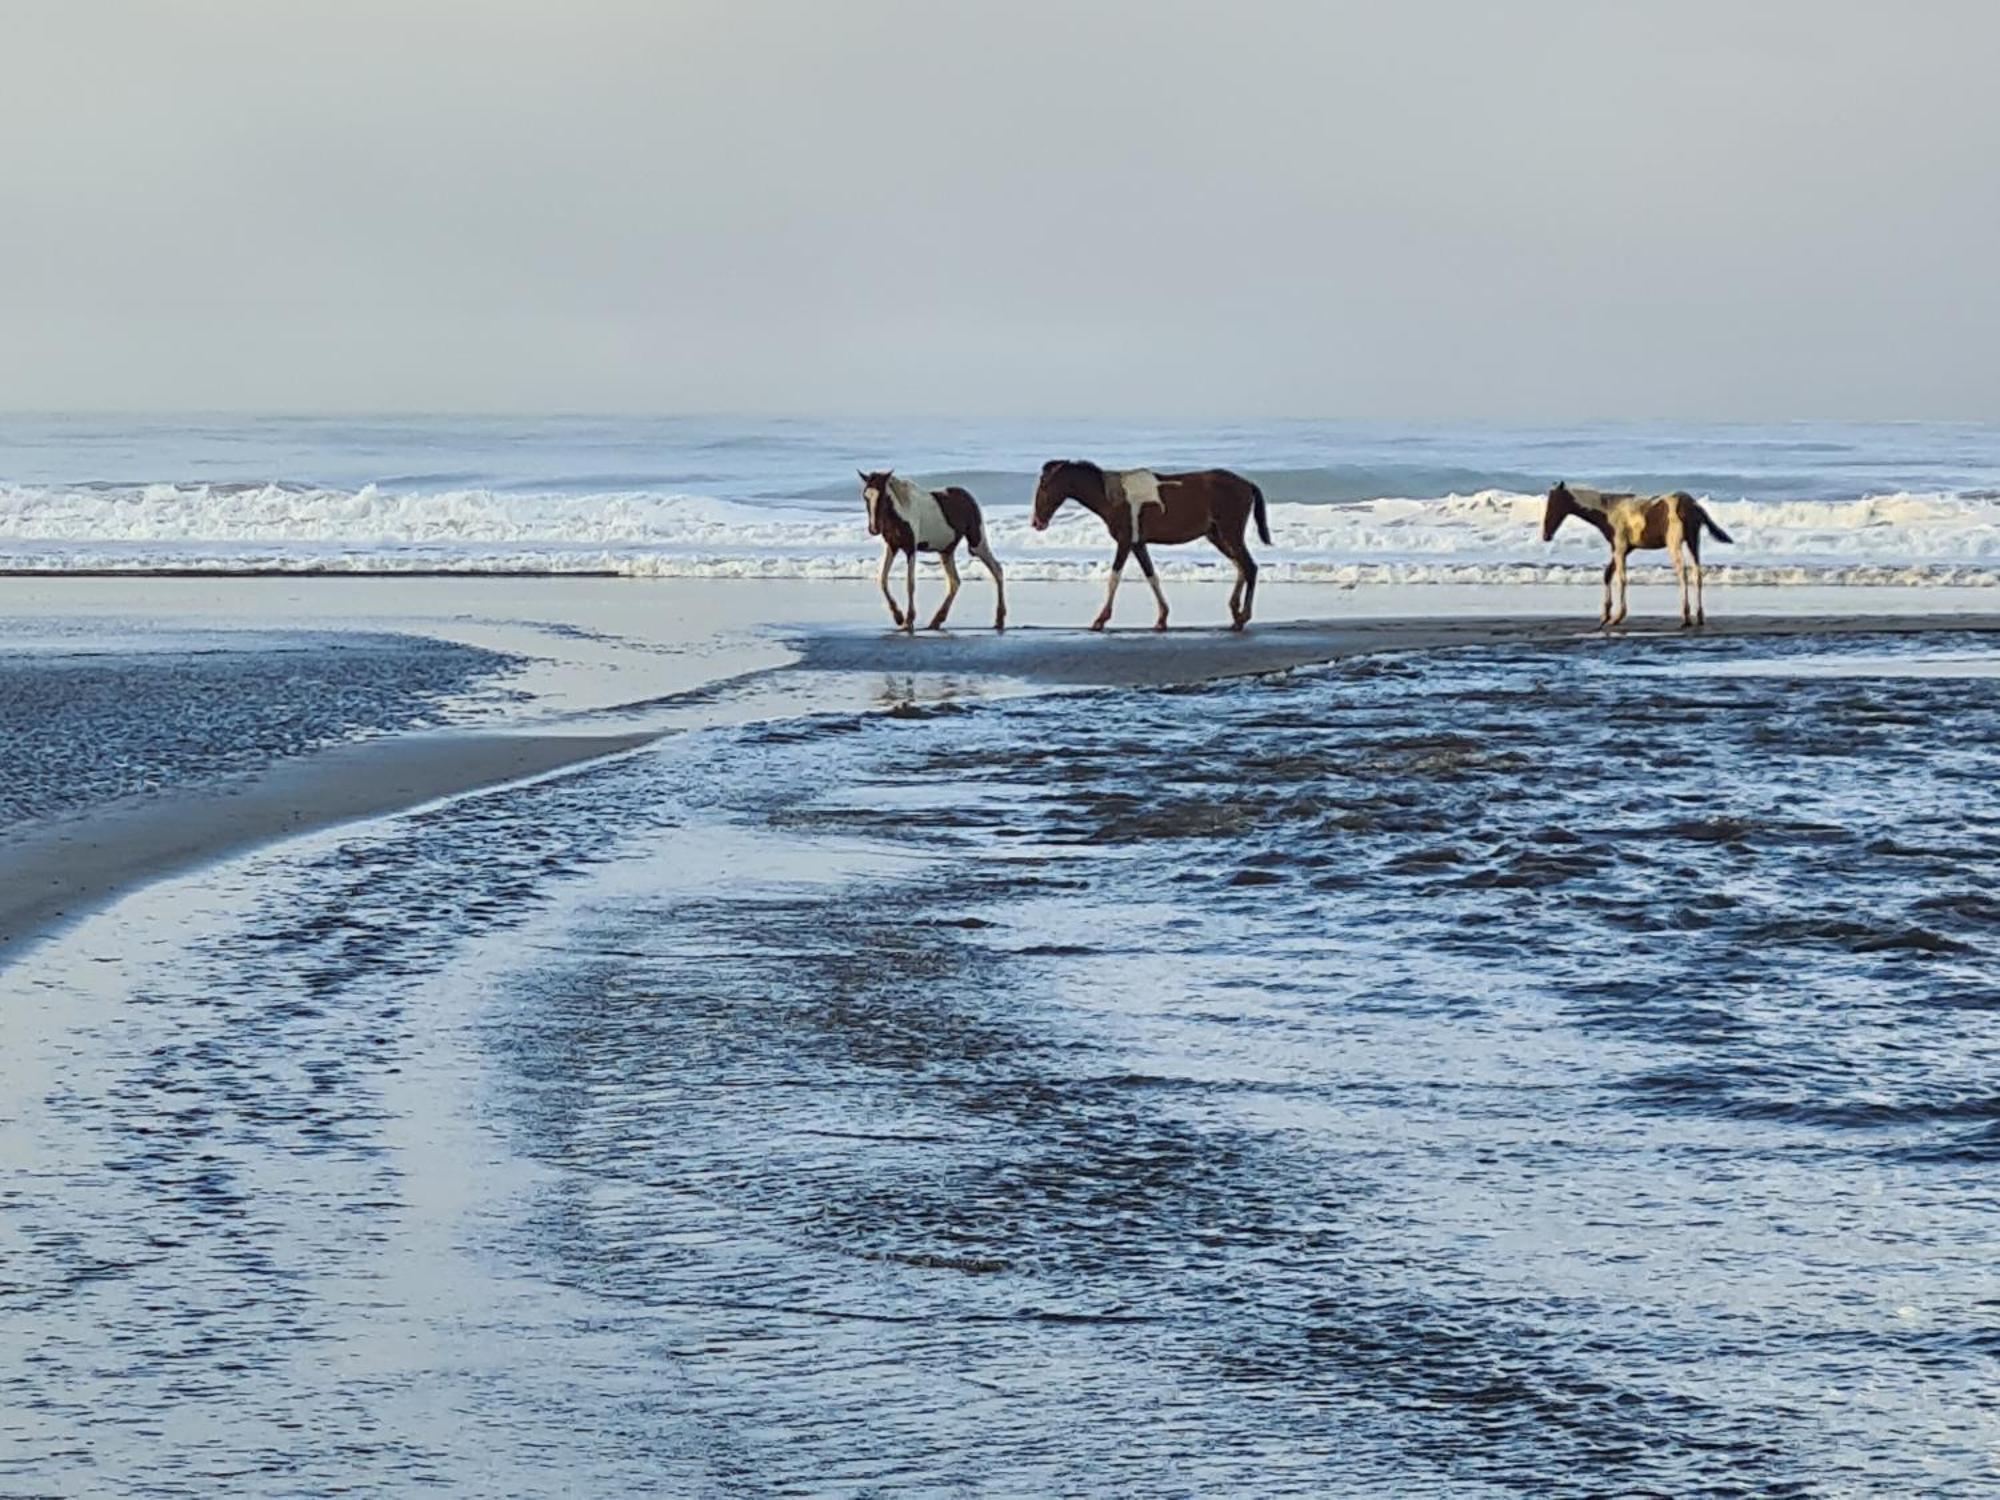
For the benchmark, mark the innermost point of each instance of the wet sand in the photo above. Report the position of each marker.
(630, 639)
(580, 1139)
(1146, 658)
(63, 868)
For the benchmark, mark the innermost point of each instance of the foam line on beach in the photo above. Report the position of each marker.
(1489, 536)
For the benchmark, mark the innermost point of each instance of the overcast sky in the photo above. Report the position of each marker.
(1296, 208)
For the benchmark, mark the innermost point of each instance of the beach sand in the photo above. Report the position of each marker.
(1162, 659)
(1090, 1089)
(613, 664)
(66, 867)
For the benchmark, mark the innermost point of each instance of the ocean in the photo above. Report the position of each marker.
(1561, 1066)
(1814, 503)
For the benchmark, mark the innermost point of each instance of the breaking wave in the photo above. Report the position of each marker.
(1491, 536)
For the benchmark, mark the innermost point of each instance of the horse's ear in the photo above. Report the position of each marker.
(864, 475)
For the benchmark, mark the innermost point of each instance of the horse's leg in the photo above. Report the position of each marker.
(1610, 572)
(1235, 594)
(1624, 583)
(1117, 567)
(1246, 569)
(1146, 566)
(882, 581)
(910, 614)
(1681, 577)
(985, 554)
(1694, 564)
(951, 587)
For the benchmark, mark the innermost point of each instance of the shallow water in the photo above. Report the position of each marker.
(1501, 1071)
(89, 715)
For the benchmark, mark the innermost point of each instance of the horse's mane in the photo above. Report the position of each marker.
(906, 491)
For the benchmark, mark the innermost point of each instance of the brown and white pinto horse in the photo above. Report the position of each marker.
(1139, 507)
(1641, 522)
(911, 519)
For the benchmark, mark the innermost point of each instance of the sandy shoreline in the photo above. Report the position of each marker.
(1145, 658)
(56, 871)
(63, 869)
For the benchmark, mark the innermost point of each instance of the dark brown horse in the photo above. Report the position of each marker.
(911, 519)
(1139, 508)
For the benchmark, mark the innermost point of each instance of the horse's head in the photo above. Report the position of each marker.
(875, 495)
(1562, 504)
(1064, 479)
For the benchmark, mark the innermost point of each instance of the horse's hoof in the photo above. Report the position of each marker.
(1098, 625)
(1238, 625)
(1160, 624)
(999, 625)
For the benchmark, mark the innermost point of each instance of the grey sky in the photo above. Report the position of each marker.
(1413, 212)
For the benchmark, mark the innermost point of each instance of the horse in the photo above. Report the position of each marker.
(1642, 522)
(911, 519)
(1140, 508)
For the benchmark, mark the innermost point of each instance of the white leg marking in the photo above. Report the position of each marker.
(1111, 593)
(999, 586)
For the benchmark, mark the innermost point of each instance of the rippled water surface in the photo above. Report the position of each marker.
(1506, 1071)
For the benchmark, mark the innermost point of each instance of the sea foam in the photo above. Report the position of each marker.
(1489, 536)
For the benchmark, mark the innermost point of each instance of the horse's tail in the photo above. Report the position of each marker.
(1709, 521)
(1263, 521)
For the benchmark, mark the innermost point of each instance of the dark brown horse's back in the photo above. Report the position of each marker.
(1222, 494)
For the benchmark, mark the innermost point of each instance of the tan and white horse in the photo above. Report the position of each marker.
(1139, 507)
(1638, 522)
(911, 519)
